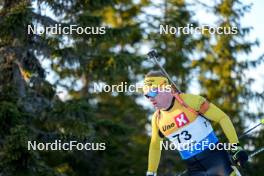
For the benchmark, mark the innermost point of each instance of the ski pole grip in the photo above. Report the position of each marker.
(152, 54)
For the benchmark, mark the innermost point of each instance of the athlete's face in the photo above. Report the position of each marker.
(160, 99)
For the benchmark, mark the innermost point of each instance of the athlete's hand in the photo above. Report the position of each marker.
(240, 156)
(151, 174)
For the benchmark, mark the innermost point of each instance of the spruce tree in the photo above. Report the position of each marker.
(36, 113)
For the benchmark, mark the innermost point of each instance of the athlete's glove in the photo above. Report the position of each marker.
(151, 174)
(240, 156)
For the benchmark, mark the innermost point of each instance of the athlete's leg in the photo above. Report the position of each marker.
(218, 164)
(214, 163)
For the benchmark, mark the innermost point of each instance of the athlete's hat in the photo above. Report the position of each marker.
(153, 82)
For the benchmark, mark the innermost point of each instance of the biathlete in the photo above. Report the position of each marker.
(185, 119)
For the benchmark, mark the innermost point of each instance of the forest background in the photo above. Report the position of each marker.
(46, 81)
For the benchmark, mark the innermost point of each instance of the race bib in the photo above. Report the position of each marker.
(194, 137)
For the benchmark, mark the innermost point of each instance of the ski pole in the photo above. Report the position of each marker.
(249, 130)
(256, 152)
(153, 55)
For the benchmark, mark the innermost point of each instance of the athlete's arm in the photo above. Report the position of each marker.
(154, 148)
(213, 113)
(217, 115)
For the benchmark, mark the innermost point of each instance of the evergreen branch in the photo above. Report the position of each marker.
(45, 20)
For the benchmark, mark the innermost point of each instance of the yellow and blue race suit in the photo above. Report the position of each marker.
(181, 125)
